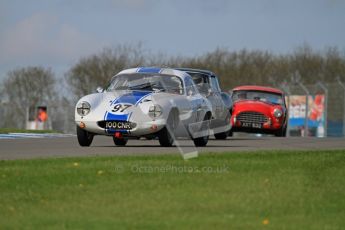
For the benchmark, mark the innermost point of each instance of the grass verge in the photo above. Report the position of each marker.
(261, 190)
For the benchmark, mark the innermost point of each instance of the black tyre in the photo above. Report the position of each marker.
(224, 135)
(165, 139)
(120, 141)
(281, 132)
(84, 137)
(202, 141)
(230, 134)
(164, 136)
(221, 136)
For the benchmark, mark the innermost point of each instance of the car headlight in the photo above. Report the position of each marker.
(278, 113)
(83, 108)
(155, 111)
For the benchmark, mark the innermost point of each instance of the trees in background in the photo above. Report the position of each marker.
(233, 67)
(97, 69)
(264, 68)
(24, 87)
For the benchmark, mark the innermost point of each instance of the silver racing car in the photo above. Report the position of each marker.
(145, 102)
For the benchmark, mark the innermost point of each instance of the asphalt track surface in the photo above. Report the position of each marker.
(29, 148)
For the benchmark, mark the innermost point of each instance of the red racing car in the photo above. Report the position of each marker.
(258, 109)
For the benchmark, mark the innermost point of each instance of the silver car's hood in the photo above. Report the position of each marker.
(126, 96)
(103, 104)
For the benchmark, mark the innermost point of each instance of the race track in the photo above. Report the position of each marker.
(28, 148)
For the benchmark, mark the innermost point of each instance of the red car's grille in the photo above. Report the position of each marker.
(253, 117)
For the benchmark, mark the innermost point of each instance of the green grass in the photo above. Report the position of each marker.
(13, 130)
(261, 190)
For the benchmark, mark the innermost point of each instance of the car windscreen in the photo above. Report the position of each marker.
(147, 82)
(257, 95)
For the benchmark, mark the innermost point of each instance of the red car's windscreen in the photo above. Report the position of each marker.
(258, 95)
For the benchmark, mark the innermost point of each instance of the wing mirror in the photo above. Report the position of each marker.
(99, 89)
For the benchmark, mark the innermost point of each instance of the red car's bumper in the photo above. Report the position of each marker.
(258, 121)
(270, 126)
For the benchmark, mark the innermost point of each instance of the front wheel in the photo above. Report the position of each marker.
(281, 132)
(164, 136)
(120, 141)
(84, 137)
(201, 141)
(165, 139)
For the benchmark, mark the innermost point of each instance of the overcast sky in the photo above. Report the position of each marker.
(56, 33)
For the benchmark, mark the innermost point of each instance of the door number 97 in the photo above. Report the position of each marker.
(120, 107)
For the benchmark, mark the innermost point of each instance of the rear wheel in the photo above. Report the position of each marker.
(224, 135)
(84, 137)
(230, 134)
(202, 141)
(221, 136)
(120, 141)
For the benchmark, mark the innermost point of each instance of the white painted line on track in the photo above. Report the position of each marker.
(33, 135)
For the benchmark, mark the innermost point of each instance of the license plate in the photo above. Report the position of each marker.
(123, 125)
(252, 125)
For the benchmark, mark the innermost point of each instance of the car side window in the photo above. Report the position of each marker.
(190, 87)
(214, 84)
(201, 82)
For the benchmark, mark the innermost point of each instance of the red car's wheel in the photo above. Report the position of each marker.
(281, 132)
